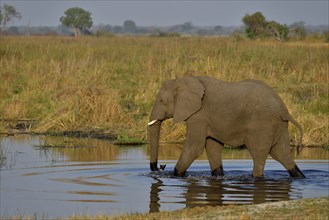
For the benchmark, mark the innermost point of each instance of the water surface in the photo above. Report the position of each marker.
(57, 177)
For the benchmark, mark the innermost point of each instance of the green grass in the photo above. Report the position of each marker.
(108, 85)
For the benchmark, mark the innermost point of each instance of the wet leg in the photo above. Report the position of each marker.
(259, 160)
(194, 145)
(214, 154)
(259, 148)
(281, 153)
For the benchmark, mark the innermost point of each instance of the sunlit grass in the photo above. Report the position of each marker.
(109, 84)
(295, 209)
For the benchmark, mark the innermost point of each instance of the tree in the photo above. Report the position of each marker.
(298, 30)
(78, 19)
(8, 13)
(129, 26)
(257, 26)
(219, 29)
(277, 31)
(187, 27)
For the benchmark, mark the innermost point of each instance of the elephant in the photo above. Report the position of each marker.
(245, 113)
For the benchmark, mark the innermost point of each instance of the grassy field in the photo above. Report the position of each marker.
(317, 209)
(107, 85)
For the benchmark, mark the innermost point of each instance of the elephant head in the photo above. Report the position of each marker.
(177, 99)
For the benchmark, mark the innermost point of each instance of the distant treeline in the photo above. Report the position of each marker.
(175, 30)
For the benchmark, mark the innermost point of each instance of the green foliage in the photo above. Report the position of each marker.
(129, 26)
(127, 140)
(257, 26)
(78, 19)
(8, 13)
(278, 31)
(165, 34)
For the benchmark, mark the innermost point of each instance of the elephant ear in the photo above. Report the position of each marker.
(188, 98)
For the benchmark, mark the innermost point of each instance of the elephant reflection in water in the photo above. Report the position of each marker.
(217, 192)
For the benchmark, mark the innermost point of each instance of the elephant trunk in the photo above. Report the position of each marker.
(154, 136)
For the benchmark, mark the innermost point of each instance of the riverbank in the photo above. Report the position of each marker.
(316, 209)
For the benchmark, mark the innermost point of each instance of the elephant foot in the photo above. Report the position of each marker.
(218, 172)
(154, 166)
(296, 172)
(176, 173)
(258, 177)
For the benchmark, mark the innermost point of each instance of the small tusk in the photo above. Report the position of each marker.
(151, 122)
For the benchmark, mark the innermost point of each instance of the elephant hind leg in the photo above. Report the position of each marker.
(259, 160)
(259, 148)
(281, 153)
(214, 154)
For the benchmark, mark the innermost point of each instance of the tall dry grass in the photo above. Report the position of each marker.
(109, 84)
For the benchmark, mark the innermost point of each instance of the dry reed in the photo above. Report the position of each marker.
(109, 84)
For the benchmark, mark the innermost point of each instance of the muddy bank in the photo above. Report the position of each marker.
(112, 136)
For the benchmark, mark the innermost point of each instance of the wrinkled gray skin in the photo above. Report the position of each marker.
(246, 113)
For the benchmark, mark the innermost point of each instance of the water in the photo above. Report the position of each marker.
(88, 176)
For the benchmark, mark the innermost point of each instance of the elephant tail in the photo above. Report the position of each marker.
(294, 122)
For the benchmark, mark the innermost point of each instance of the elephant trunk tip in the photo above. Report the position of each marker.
(154, 166)
(163, 167)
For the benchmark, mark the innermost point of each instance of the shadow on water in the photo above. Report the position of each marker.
(220, 192)
(58, 177)
(236, 187)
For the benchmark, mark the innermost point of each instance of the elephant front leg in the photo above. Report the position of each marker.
(214, 154)
(194, 144)
(188, 155)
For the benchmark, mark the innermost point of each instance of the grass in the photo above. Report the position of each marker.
(298, 209)
(317, 209)
(107, 85)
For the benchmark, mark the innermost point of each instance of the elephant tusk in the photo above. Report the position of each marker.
(152, 122)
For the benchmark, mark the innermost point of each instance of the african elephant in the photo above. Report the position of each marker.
(241, 113)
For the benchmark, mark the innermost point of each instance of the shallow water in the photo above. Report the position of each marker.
(88, 176)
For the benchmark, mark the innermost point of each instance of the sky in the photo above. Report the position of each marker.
(171, 12)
